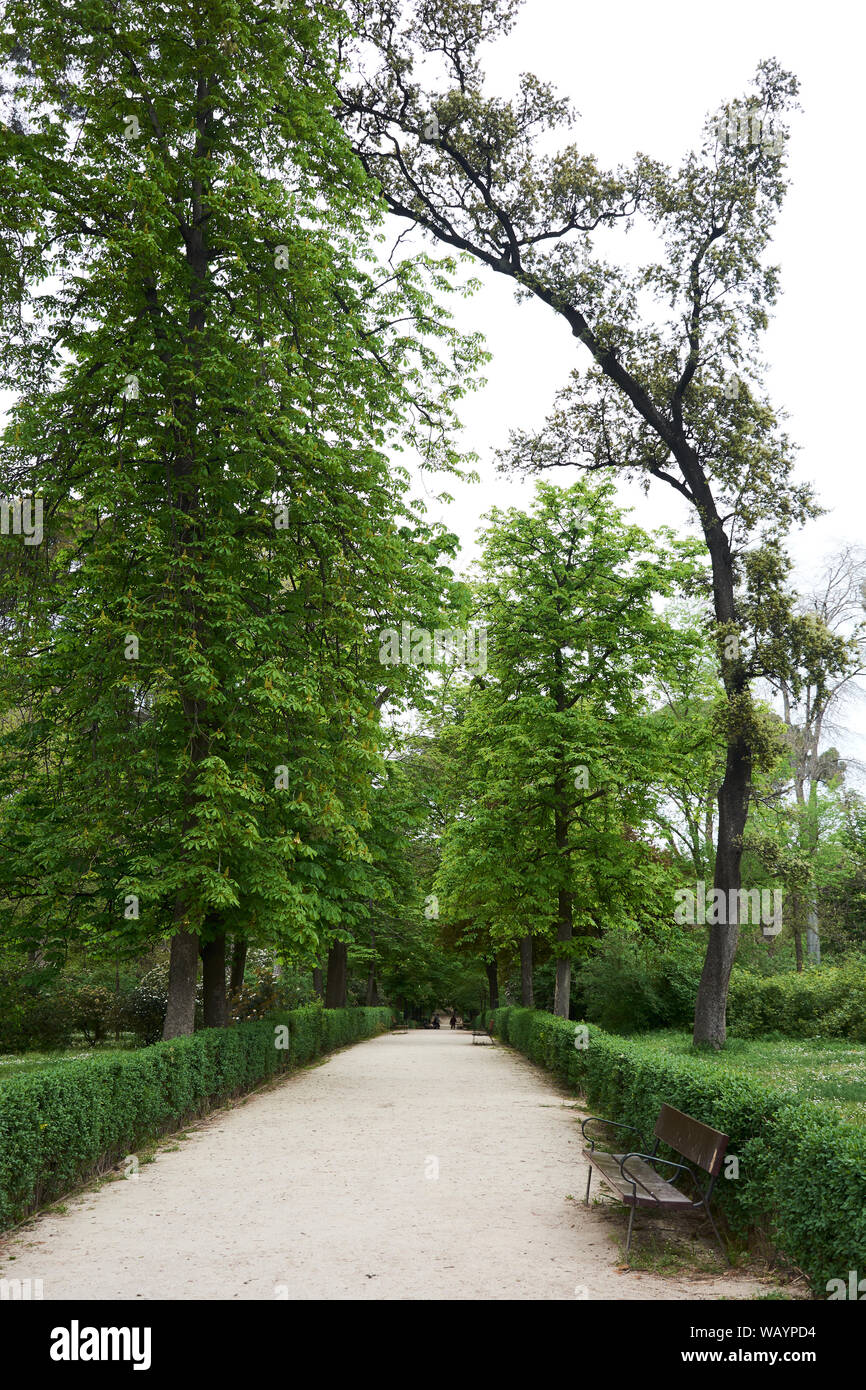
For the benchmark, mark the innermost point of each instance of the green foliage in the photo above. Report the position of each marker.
(802, 1169)
(142, 1009)
(829, 1001)
(819, 1191)
(556, 765)
(629, 985)
(62, 1123)
(43, 1009)
(212, 378)
(306, 1028)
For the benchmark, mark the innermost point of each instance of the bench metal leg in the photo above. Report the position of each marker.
(630, 1224)
(588, 1181)
(718, 1237)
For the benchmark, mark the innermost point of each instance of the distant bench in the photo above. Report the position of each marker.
(482, 1035)
(628, 1172)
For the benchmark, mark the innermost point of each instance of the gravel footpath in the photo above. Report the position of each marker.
(412, 1166)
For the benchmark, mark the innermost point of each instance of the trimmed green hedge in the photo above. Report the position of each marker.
(802, 1169)
(59, 1125)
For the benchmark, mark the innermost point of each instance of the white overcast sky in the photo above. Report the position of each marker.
(643, 76)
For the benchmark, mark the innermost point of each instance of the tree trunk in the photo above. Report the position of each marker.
(213, 959)
(318, 981)
(813, 939)
(527, 994)
(797, 927)
(371, 998)
(338, 963)
(564, 931)
(565, 922)
(182, 976)
(492, 982)
(733, 799)
(239, 964)
(710, 1023)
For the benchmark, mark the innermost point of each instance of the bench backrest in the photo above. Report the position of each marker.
(695, 1141)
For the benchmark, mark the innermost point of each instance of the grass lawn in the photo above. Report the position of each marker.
(825, 1069)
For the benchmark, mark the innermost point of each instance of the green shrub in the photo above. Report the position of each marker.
(627, 986)
(827, 1001)
(802, 1171)
(36, 1011)
(819, 1190)
(94, 1012)
(141, 1010)
(62, 1123)
(618, 988)
(306, 1031)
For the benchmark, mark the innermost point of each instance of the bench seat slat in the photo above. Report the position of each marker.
(660, 1194)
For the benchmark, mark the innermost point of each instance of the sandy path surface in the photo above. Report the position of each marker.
(413, 1166)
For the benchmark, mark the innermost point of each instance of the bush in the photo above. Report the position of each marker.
(617, 986)
(629, 987)
(819, 1188)
(94, 1012)
(63, 1123)
(802, 1169)
(827, 1001)
(141, 1010)
(37, 1011)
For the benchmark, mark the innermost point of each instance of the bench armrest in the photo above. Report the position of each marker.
(599, 1120)
(654, 1158)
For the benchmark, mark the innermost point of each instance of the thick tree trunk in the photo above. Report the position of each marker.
(527, 994)
(239, 964)
(213, 959)
(565, 922)
(492, 982)
(733, 799)
(564, 933)
(710, 1007)
(338, 964)
(183, 969)
(182, 976)
(318, 981)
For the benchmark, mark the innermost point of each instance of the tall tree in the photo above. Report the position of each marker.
(559, 764)
(208, 375)
(835, 608)
(673, 389)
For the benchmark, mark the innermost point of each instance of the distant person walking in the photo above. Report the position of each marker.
(453, 1021)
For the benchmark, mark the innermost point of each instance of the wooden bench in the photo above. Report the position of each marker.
(634, 1176)
(482, 1035)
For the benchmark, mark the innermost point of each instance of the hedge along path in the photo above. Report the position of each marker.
(412, 1166)
(801, 1174)
(63, 1124)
